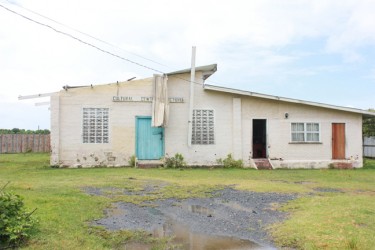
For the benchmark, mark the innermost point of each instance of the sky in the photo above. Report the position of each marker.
(315, 50)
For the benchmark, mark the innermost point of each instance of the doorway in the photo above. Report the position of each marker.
(149, 140)
(259, 138)
(338, 141)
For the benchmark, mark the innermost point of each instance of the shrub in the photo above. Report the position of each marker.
(230, 162)
(368, 163)
(132, 161)
(16, 224)
(177, 161)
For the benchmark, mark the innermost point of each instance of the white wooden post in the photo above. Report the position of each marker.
(191, 99)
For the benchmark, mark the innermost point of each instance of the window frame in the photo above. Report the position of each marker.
(210, 138)
(305, 133)
(105, 136)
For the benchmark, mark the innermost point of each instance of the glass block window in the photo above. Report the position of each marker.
(203, 132)
(305, 132)
(95, 125)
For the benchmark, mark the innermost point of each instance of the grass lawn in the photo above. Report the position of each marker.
(331, 220)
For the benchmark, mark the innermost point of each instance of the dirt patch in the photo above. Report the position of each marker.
(232, 218)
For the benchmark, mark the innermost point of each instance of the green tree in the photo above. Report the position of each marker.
(368, 128)
(23, 131)
(15, 131)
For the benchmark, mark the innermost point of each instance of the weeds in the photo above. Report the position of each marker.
(176, 161)
(352, 244)
(132, 161)
(230, 162)
(368, 163)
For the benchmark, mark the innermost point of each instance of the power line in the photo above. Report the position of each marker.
(92, 45)
(83, 33)
(79, 40)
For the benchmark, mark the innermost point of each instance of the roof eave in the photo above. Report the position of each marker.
(206, 70)
(365, 114)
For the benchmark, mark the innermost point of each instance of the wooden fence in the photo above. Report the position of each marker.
(369, 146)
(21, 143)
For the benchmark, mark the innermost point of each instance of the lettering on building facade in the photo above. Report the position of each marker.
(144, 99)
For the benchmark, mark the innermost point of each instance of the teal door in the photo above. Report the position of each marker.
(149, 140)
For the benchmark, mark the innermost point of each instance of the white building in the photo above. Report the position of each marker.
(105, 125)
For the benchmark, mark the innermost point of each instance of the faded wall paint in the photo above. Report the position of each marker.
(177, 131)
(68, 117)
(310, 155)
(233, 126)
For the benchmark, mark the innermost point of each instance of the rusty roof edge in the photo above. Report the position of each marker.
(365, 113)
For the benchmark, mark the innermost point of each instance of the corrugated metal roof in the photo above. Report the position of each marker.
(207, 70)
(365, 113)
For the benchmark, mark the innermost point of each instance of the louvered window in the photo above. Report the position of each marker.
(203, 131)
(95, 125)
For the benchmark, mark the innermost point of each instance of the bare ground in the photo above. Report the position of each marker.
(241, 217)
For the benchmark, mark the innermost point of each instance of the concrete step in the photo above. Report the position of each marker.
(149, 163)
(263, 164)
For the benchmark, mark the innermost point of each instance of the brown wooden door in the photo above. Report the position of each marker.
(338, 140)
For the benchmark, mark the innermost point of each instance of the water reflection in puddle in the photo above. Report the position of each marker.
(198, 209)
(187, 240)
(238, 207)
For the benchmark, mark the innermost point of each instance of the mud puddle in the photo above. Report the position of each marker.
(198, 209)
(231, 219)
(184, 238)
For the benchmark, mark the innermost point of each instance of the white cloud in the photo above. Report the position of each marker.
(247, 39)
(355, 31)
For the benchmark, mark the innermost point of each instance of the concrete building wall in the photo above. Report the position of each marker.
(177, 130)
(233, 119)
(121, 146)
(282, 151)
(55, 129)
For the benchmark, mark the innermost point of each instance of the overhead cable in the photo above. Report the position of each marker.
(91, 45)
(83, 33)
(80, 40)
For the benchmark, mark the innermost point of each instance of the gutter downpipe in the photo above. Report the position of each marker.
(191, 99)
